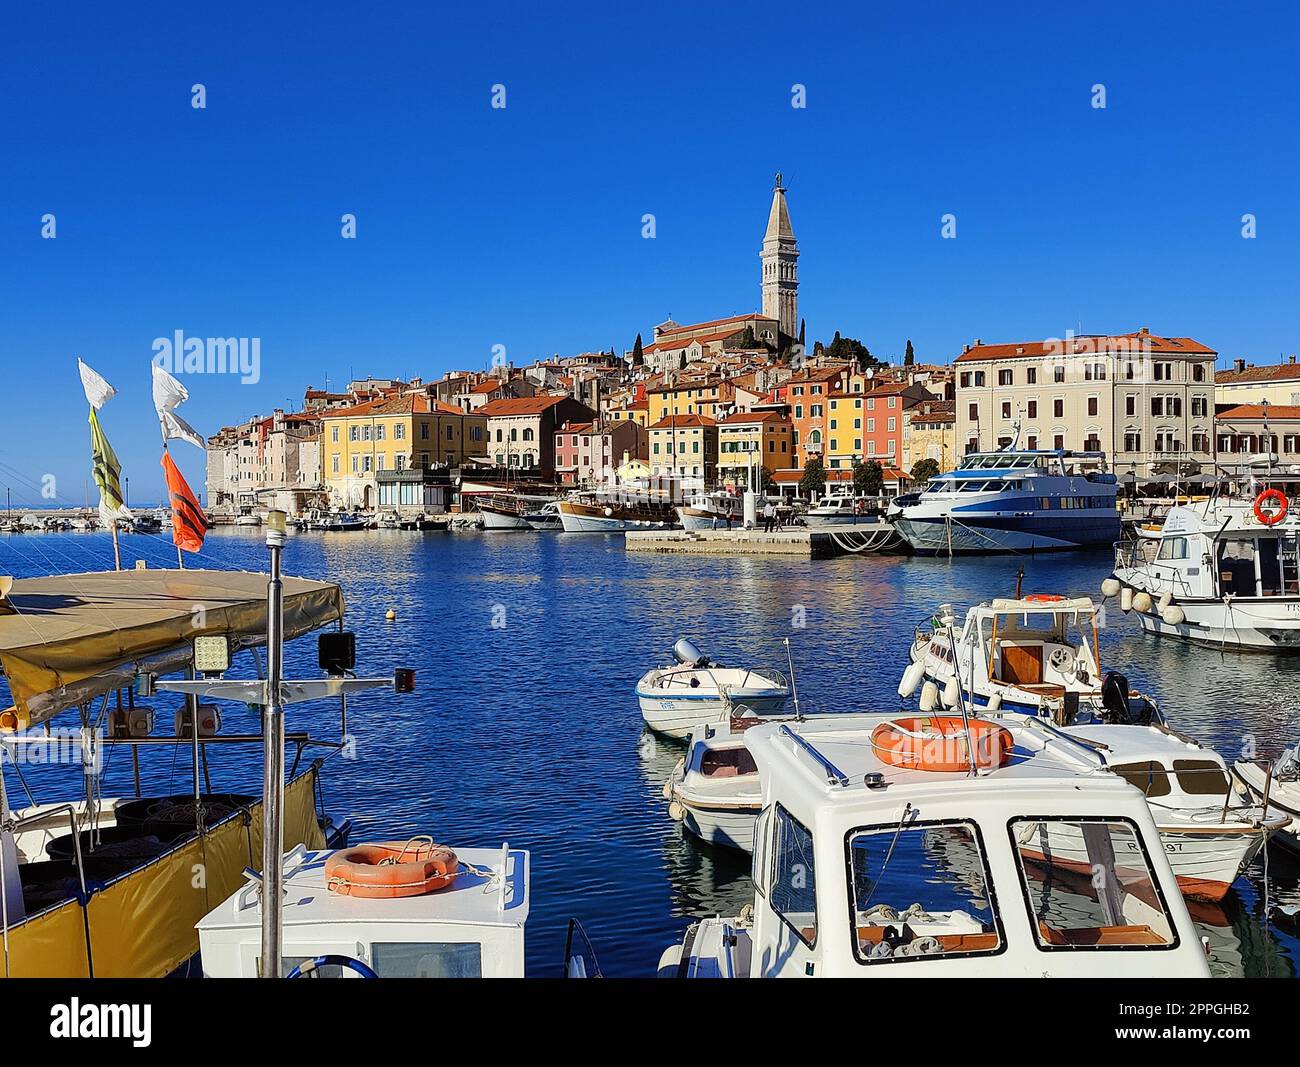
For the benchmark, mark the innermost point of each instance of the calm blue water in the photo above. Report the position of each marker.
(527, 731)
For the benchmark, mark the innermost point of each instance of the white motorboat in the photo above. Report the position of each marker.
(714, 790)
(712, 511)
(1013, 501)
(1031, 655)
(467, 920)
(856, 866)
(675, 700)
(248, 518)
(843, 510)
(1279, 785)
(1224, 572)
(339, 522)
(507, 511)
(1210, 826)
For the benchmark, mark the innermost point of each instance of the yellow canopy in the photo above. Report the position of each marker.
(68, 638)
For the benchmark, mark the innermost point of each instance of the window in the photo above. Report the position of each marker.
(334, 434)
(974, 413)
(404, 959)
(424, 432)
(1092, 405)
(1032, 409)
(1131, 405)
(979, 378)
(944, 863)
(1201, 777)
(336, 460)
(1032, 442)
(399, 432)
(1173, 548)
(893, 424)
(1058, 441)
(1200, 407)
(1120, 906)
(1132, 441)
(380, 432)
(1164, 372)
(1198, 372)
(793, 878)
(1058, 408)
(1031, 375)
(1005, 376)
(1006, 409)
(965, 379)
(1058, 372)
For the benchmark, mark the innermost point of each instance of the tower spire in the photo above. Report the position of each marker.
(780, 259)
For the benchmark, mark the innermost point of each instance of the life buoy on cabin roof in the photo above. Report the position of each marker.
(941, 743)
(1043, 598)
(1271, 518)
(391, 869)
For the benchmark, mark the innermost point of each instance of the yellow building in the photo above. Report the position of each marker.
(694, 396)
(929, 432)
(748, 440)
(412, 432)
(685, 447)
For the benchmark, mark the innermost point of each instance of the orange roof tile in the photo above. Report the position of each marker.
(669, 422)
(1087, 343)
(519, 405)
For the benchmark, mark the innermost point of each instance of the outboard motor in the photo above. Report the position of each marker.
(688, 655)
(1115, 703)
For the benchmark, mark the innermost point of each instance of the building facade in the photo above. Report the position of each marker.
(587, 453)
(685, 447)
(753, 441)
(1146, 401)
(1246, 383)
(929, 430)
(521, 430)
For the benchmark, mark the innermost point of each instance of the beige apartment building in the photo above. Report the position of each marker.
(1146, 401)
(1245, 383)
(929, 432)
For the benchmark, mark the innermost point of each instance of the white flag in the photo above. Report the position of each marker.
(168, 395)
(98, 391)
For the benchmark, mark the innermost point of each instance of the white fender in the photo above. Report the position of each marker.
(995, 701)
(950, 693)
(1165, 601)
(911, 679)
(1110, 587)
(1142, 602)
(1173, 615)
(1126, 599)
(929, 697)
(676, 812)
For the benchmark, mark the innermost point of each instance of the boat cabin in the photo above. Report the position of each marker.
(472, 928)
(1033, 868)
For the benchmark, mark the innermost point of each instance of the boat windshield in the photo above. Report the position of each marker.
(1082, 896)
(921, 892)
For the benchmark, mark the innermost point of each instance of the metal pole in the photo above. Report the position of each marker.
(192, 708)
(273, 759)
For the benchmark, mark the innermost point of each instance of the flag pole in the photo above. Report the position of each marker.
(117, 550)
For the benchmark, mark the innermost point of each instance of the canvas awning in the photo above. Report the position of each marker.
(68, 638)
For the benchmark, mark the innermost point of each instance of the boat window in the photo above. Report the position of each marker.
(1152, 777)
(1237, 567)
(401, 959)
(1173, 548)
(921, 892)
(793, 880)
(1089, 886)
(1203, 777)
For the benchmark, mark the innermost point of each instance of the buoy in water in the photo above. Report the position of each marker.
(1110, 587)
(929, 697)
(1142, 602)
(390, 615)
(911, 679)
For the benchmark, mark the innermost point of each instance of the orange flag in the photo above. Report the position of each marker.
(189, 524)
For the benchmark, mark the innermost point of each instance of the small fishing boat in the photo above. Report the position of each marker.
(875, 859)
(506, 511)
(340, 522)
(393, 909)
(248, 518)
(676, 699)
(714, 790)
(1277, 785)
(1029, 655)
(1224, 572)
(712, 511)
(546, 518)
(389, 520)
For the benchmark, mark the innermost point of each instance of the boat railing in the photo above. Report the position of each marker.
(579, 955)
(834, 776)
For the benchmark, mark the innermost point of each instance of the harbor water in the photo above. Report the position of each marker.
(524, 728)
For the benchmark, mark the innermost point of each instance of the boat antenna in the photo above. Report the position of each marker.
(794, 689)
(961, 704)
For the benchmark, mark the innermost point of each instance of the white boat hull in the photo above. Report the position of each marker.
(494, 520)
(698, 520)
(1271, 625)
(729, 827)
(677, 716)
(1284, 796)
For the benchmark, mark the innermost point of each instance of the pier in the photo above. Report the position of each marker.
(803, 543)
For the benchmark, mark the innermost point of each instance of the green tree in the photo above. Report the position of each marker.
(923, 470)
(850, 348)
(909, 357)
(681, 364)
(766, 483)
(638, 353)
(868, 478)
(813, 483)
(802, 335)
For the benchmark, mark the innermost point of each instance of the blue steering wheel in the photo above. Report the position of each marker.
(308, 968)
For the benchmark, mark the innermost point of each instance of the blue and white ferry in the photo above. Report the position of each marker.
(1014, 500)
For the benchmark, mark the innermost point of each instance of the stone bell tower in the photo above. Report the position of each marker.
(780, 257)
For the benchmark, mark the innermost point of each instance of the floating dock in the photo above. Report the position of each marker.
(800, 543)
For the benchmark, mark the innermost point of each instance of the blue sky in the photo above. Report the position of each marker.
(522, 226)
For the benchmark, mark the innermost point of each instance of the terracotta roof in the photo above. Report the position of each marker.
(410, 404)
(1084, 344)
(519, 405)
(752, 416)
(715, 322)
(667, 344)
(1269, 373)
(487, 385)
(1257, 411)
(689, 383)
(679, 422)
(575, 427)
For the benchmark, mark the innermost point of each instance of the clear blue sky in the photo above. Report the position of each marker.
(522, 226)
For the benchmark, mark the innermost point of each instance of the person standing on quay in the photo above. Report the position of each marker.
(769, 516)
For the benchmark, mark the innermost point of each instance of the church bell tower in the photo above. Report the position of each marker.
(780, 257)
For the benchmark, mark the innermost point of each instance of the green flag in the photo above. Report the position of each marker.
(106, 470)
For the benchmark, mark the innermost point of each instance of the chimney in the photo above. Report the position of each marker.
(1145, 331)
(978, 342)
(1291, 359)
(965, 348)
(1239, 365)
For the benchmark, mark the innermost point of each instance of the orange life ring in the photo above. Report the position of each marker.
(1043, 598)
(939, 743)
(1271, 519)
(391, 869)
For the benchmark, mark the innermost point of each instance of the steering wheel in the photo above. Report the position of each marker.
(308, 968)
(1061, 658)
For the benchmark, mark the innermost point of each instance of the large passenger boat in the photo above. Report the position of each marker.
(613, 511)
(1013, 500)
